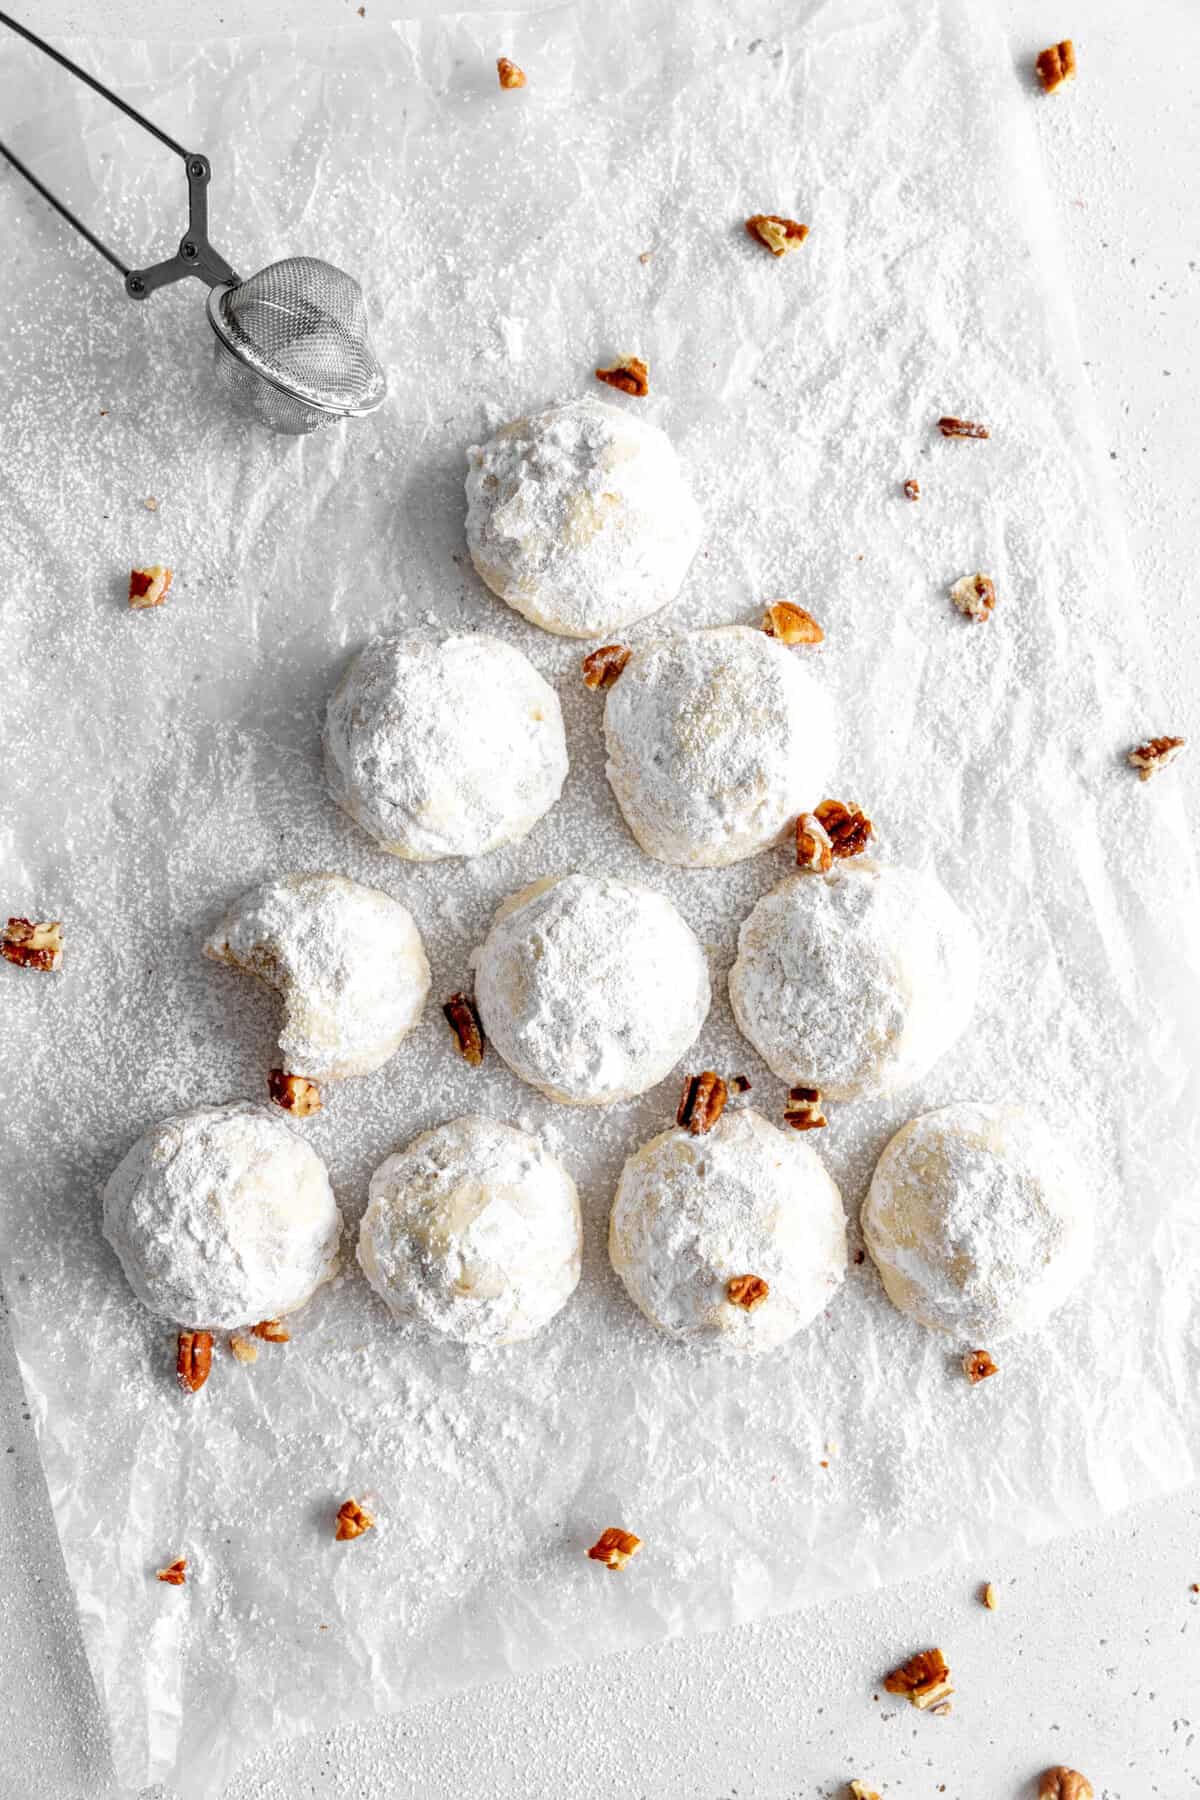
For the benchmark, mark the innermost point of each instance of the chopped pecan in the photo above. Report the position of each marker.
(860, 1791)
(1056, 65)
(804, 1111)
(351, 1521)
(464, 1023)
(739, 1084)
(630, 374)
(193, 1359)
(1147, 758)
(243, 1347)
(912, 489)
(966, 428)
(511, 76)
(604, 666)
(702, 1102)
(175, 1574)
(273, 1331)
(32, 943)
(746, 1291)
(1061, 1783)
(615, 1547)
(924, 1679)
(778, 235)
(294, 1093)
(977, 1366)
(791, 624)
(975, 596)
(988, 1596)
(148, 587)
(848, 827)
(814, 848)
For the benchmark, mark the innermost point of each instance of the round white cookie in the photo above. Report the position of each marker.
(977, 1221)
(855, 982)
(580, 517)
(473, 1230)
(347, 960)
(222, 1216)
(716, 741)
(444, 749)
(692, 1214)
(591, 988)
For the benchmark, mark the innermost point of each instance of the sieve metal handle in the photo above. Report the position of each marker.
(195, 255)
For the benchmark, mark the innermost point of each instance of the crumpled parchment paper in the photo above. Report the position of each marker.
(157, 764)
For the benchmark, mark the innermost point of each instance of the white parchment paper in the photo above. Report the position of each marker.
(157, 764)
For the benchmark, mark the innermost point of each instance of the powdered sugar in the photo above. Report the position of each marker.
(716, 741)
(977, 1222)
(580, 517)
(347, 960)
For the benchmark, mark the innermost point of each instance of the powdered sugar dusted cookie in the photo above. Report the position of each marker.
(735, 1238)
(857, 981)
(444, 749)
(473, 1230)
(591, 988)
(347, 960)
(580, 517)
(977, 1221)
(222, 1216)
(716, 741)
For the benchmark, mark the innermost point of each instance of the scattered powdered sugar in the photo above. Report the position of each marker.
(977, 1223)
(716, 741)
(580, 517)
(347, 960)
(745, 1198)
(857, 981)
(591, 988)
(222, 1216)
(447, 749)
(474, 1231)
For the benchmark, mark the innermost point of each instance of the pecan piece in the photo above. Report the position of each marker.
(746, 1291)
(912, 489)
(615, 1547)
(464, 1023)
(966, 428)
(776, 234)
(243, 1347)
(804, 1111)
(1056, 65)
(604, 666)
(988, 1596)
(193, 1359)
(975, 596)
(977, 1366)
(739, 1084)
(702, 1102)
(294, 1093)
(924, 1679)
(630, 374)
(860, 1791)
(791, 624)
(351, 1521)
(32, 943)
(1147, 758)
(148, 587)
(175, 1574)
(814, 849)
(509, 73)
(272, 1331)
(848, 827)
(1061, 1783)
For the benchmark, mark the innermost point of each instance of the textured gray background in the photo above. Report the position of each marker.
(1094, 1654)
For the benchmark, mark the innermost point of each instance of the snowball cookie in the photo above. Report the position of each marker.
(222, 1216)
(716, 741)
(347, 959)
(590, 988)
(580, 517)
(447, 749)
(473, 1230)
(691, 1213)
(856, 981)
(977, 1221)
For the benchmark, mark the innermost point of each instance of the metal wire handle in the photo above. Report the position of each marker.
(195, 256)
